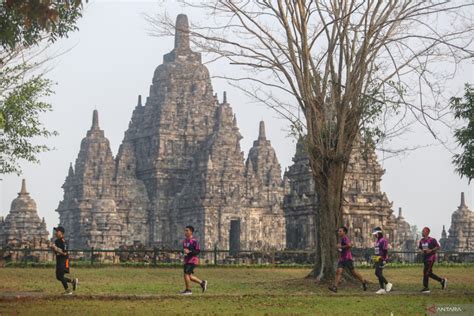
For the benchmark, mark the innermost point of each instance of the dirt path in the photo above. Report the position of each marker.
(25, 296)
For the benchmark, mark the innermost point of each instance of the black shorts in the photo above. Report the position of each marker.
(61, 267)
(189, 268)
(347, 264)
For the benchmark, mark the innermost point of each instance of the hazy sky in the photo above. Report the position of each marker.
(112, 60)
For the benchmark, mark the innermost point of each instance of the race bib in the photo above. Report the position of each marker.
(424, 246)
(377, 250)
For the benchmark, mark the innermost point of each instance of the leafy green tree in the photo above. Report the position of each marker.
(464, 110)
(28, 22)
(21, 109)
(24, 25)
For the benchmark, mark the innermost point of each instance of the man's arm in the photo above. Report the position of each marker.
(420, 247)
(435, 246)
(185, 249)
(346, 246)
(58, 250)
(196, 249)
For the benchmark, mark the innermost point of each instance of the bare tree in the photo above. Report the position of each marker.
(346, 65)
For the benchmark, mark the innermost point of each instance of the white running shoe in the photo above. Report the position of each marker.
(381, 291)
(388, 287)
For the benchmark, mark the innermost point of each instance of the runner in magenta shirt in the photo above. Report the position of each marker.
(345, 260)
(429, 246)
(380, 259)
(191, 250)
(345, 254)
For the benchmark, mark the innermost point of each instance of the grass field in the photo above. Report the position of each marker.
(246, 291)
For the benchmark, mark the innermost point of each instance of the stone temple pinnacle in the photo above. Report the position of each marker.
(95, 120)
(181, 38)
(23, 188)
(463, 200)
(261, 132)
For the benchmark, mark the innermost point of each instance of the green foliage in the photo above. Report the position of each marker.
(24, 24)
(464, 111)
(20, 109)
(28, 22)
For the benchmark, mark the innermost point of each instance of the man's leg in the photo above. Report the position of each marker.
(337, 280)
(187, 281)
(359, 276)
(194, 279)
(426, 273)
(379, 274)
(432, 275)
(60, 277)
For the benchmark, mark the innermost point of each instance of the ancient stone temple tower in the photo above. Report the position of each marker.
(300, 202)
(403, 237)
(364, 206)
(89, 210)
(22, 227)
(461, 232)
(180, 163)
(444, 238)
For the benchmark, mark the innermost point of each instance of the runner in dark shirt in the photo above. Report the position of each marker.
(191, 251)
(429, 246)
(62, 260)
(345, 260)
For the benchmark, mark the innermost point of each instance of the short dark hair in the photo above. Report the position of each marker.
(191, 228)
(344, 228)
(60, 228)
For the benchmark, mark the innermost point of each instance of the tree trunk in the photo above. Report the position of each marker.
(328, 219)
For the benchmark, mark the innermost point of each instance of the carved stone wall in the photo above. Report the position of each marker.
(22, 227)
(364, 206)
(180, 163)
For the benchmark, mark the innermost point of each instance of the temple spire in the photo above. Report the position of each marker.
(181, 38)
(399, 212)
(224, 97)
(463, 201)
(95, 120)
(139, 100)
(71, 170)
(261, 131)
(23, 188)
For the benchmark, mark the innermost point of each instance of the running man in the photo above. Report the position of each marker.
(62, 261)
(191, 250)
(429, 246)
(345, 260)
(380, 259)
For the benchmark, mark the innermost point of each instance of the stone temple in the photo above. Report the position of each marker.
(22, 227)
(364, 205)
(461, 232)
(180, 163)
